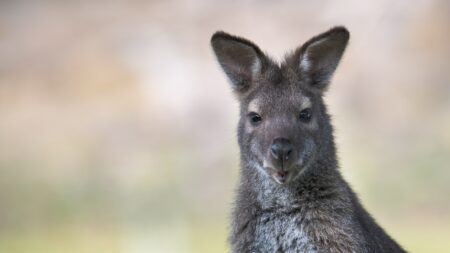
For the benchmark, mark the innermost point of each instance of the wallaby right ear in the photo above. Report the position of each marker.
(319, 57)
(240, 59)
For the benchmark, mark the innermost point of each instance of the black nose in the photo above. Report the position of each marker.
(281, 149)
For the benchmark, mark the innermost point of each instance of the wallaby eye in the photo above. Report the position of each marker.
(305, 115)
(254, 118)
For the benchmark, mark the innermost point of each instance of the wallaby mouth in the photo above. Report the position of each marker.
(279, 160)
(281, 177)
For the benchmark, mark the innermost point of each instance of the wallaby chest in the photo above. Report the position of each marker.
(278, 232)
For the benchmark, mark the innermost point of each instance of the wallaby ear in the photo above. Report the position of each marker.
(318, 58)
(240, 59)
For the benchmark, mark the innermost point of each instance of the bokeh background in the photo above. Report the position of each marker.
(117, 127)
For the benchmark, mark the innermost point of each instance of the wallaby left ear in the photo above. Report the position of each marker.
(318, 58)
(240, 58)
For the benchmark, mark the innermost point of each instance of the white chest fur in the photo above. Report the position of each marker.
(281, 233)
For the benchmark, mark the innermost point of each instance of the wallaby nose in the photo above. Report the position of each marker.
(281, 149)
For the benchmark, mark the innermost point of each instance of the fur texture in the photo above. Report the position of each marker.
(291, 196)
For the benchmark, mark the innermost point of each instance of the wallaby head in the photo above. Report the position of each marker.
(284, 126)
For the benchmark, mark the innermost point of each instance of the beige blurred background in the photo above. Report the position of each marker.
(117, 127)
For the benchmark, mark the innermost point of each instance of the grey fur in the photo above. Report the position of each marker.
(291, 196)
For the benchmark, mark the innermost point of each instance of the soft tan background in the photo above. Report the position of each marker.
(117, 127)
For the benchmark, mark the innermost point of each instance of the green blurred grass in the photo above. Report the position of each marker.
(67, 238)
(203, 238)
(75, 238)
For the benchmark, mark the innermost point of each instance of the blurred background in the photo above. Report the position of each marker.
(117, 127)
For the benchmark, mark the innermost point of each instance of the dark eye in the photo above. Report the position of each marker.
(254, 118)
(305, 115)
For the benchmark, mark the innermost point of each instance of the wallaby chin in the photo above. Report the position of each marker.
(295, 199)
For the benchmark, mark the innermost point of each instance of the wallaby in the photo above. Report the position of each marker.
(291, 196)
